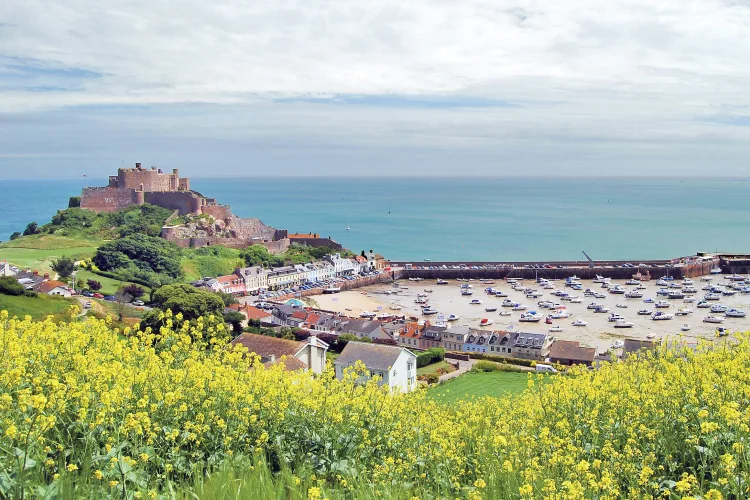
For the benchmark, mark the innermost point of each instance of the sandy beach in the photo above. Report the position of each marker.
(599, 333)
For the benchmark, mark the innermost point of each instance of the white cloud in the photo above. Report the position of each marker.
(638, 73)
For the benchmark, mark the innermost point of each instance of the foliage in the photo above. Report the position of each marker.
(15, 235)
(64, 266)
(431, 355)
(74, 202)
(432, 378)
(31, 228)
(502, 359)
(210, 261)
(258, 255)
(235, 320)
(133, 291)
(139, 255)
(187, 300)
(137, 219)
(669, 425)
(485, 366)
(10, 286)
(94, 285)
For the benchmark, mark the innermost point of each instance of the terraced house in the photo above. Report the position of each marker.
(477, 341)
(521, 345)
(283, 277)
(431, 336)
(255, 278)
(455, 337)
(342, 266)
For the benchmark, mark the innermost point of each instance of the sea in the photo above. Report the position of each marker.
(465, 219)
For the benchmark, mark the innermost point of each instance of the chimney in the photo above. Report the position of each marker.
(137, 166)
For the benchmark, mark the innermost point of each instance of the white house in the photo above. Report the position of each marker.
(396, 366)
(256, 278)
(306, 355)
(304, 272)
(326, 270)
(54, 288)
(342, 267)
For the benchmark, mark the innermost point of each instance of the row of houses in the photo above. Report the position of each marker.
(34, 281)
(248, 280)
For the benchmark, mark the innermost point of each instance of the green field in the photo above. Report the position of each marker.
(36, 307)
(469, 385)
(434, 367)
(109, 285)
(37, 252)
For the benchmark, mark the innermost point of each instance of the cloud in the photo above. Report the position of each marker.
(576, 80)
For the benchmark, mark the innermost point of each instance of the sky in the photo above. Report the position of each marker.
(387, 88)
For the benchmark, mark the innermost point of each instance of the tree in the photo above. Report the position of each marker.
(64, 266)
(94, 285)
(286, 333)
(9, 286)
(235, 319)
(140, 254)
(31, 228)
(15, 236)
(134, 291)
(191, 302)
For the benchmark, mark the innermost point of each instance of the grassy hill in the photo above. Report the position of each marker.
(36, 307)
(39, 250)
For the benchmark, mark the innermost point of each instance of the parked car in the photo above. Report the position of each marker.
(87, 305)
(110, 298)
(87, 294)
(138, 303)
(98, 296)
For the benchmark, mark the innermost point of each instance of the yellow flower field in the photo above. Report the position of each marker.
(88, 411)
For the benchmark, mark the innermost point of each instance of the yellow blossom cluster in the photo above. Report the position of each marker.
(131, 410)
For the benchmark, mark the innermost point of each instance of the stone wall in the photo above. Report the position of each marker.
(317, 242)
(251, 229)
(218, 212)
(147, 179)
(275, 247)
(183, 201)
(107, 199)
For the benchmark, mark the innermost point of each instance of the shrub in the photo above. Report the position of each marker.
(9, 286)
(502, 359)
(64, 266)
(432, 355)
(485, 366)
(432, 378)
(94, 285)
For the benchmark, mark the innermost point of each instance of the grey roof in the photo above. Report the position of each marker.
(460, 330)
(363, 325)
(532, 340)
(374, 356)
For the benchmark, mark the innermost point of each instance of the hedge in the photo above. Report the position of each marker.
(502, 359)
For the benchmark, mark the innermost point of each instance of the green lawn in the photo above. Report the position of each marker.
(495, 384)
(109, 285)
(36, 307)
(38, 251)
(434, 367)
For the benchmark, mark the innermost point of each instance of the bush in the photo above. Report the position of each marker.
(64, 266)
(432, 378)
(432, 355)
(503, 359)
(94, 285)
(485, 366)
(9, 286)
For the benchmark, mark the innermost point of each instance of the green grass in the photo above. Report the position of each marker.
(434, 367)
(36, 307)
(109, 285)
(495, 384)
(38, 251)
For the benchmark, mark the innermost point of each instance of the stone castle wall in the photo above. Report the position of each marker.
(146, 179)
(185, 202)
(317, 242)
(218, 212)
(274, 247)
(108, 199)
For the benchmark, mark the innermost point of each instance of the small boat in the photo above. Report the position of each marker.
(428, 290)
(722, 332)
(685, 327)
(735, 313)
(505, 313)
(466, 292)
(703, 304)
(490, 309)
(421, 300)
(383, 316)
(395, 308)
(349, 229)
(719, 308)
(475, 302)
(715, 270)
(659, 316)
(519, 307)
(633, 282)
(653, 335)
(683, 311)
(623, 324)
(662, 304)
(593, 305)
(614, 317)
(367, 314)
(548, 320)
(601, 309)
(441, 282)
(599, 279)
(713, 319)
(555, 329)
(332, 289)
(621, 306)
(688, 300)
(635, 294)
(618, 344)
(576, 300)
(661, 282)
(688, 281)
(453, 317)
(508, 303)
(676, 295)
(579, 322)
(560, 314)
(599, 295)
(530, 318)
(485, 322)
(500, 294)
(644, 312)
(648, 300)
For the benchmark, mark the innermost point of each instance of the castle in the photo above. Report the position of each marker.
(135, 186)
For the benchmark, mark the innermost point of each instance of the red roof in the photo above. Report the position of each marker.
(299, 314)
(48, 286)
(227, 279)
(312, 319)
(360, 259)
(412, 331)
(254, 313)
(268, 346)
(571, 351)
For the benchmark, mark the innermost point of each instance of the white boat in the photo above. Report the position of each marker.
(688, 281)
(599, 295)
(593, 305)
(367, 314)
(428, 290)
(519, 307)
(599, 279)
(683, 311)
(505, 313)
(661, 304)
(332, 289)
(703, 304)
(735, 313)
(653, 335)
(712, 296)
(466, 292)
(453, 317)
(662, 282)
(490, 309)
(713, 319)
(676, 295)
(719, 308)
(349, 229)
(621, 306)
(429, 310)
(383, 316)
(632, 282)
(716, 270)
(634, 294)
(395, 307)
(579, 322)
(659, 316)
(618, 344)
(485, 322)
(644, 312)
(475, 302)
(560, 314)
(576, 300)
(601, 309)
(555, 329)
(441, 282)
(508, 303)
(421, 300)
(529, 318)
(688, 300)
(500, 293)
